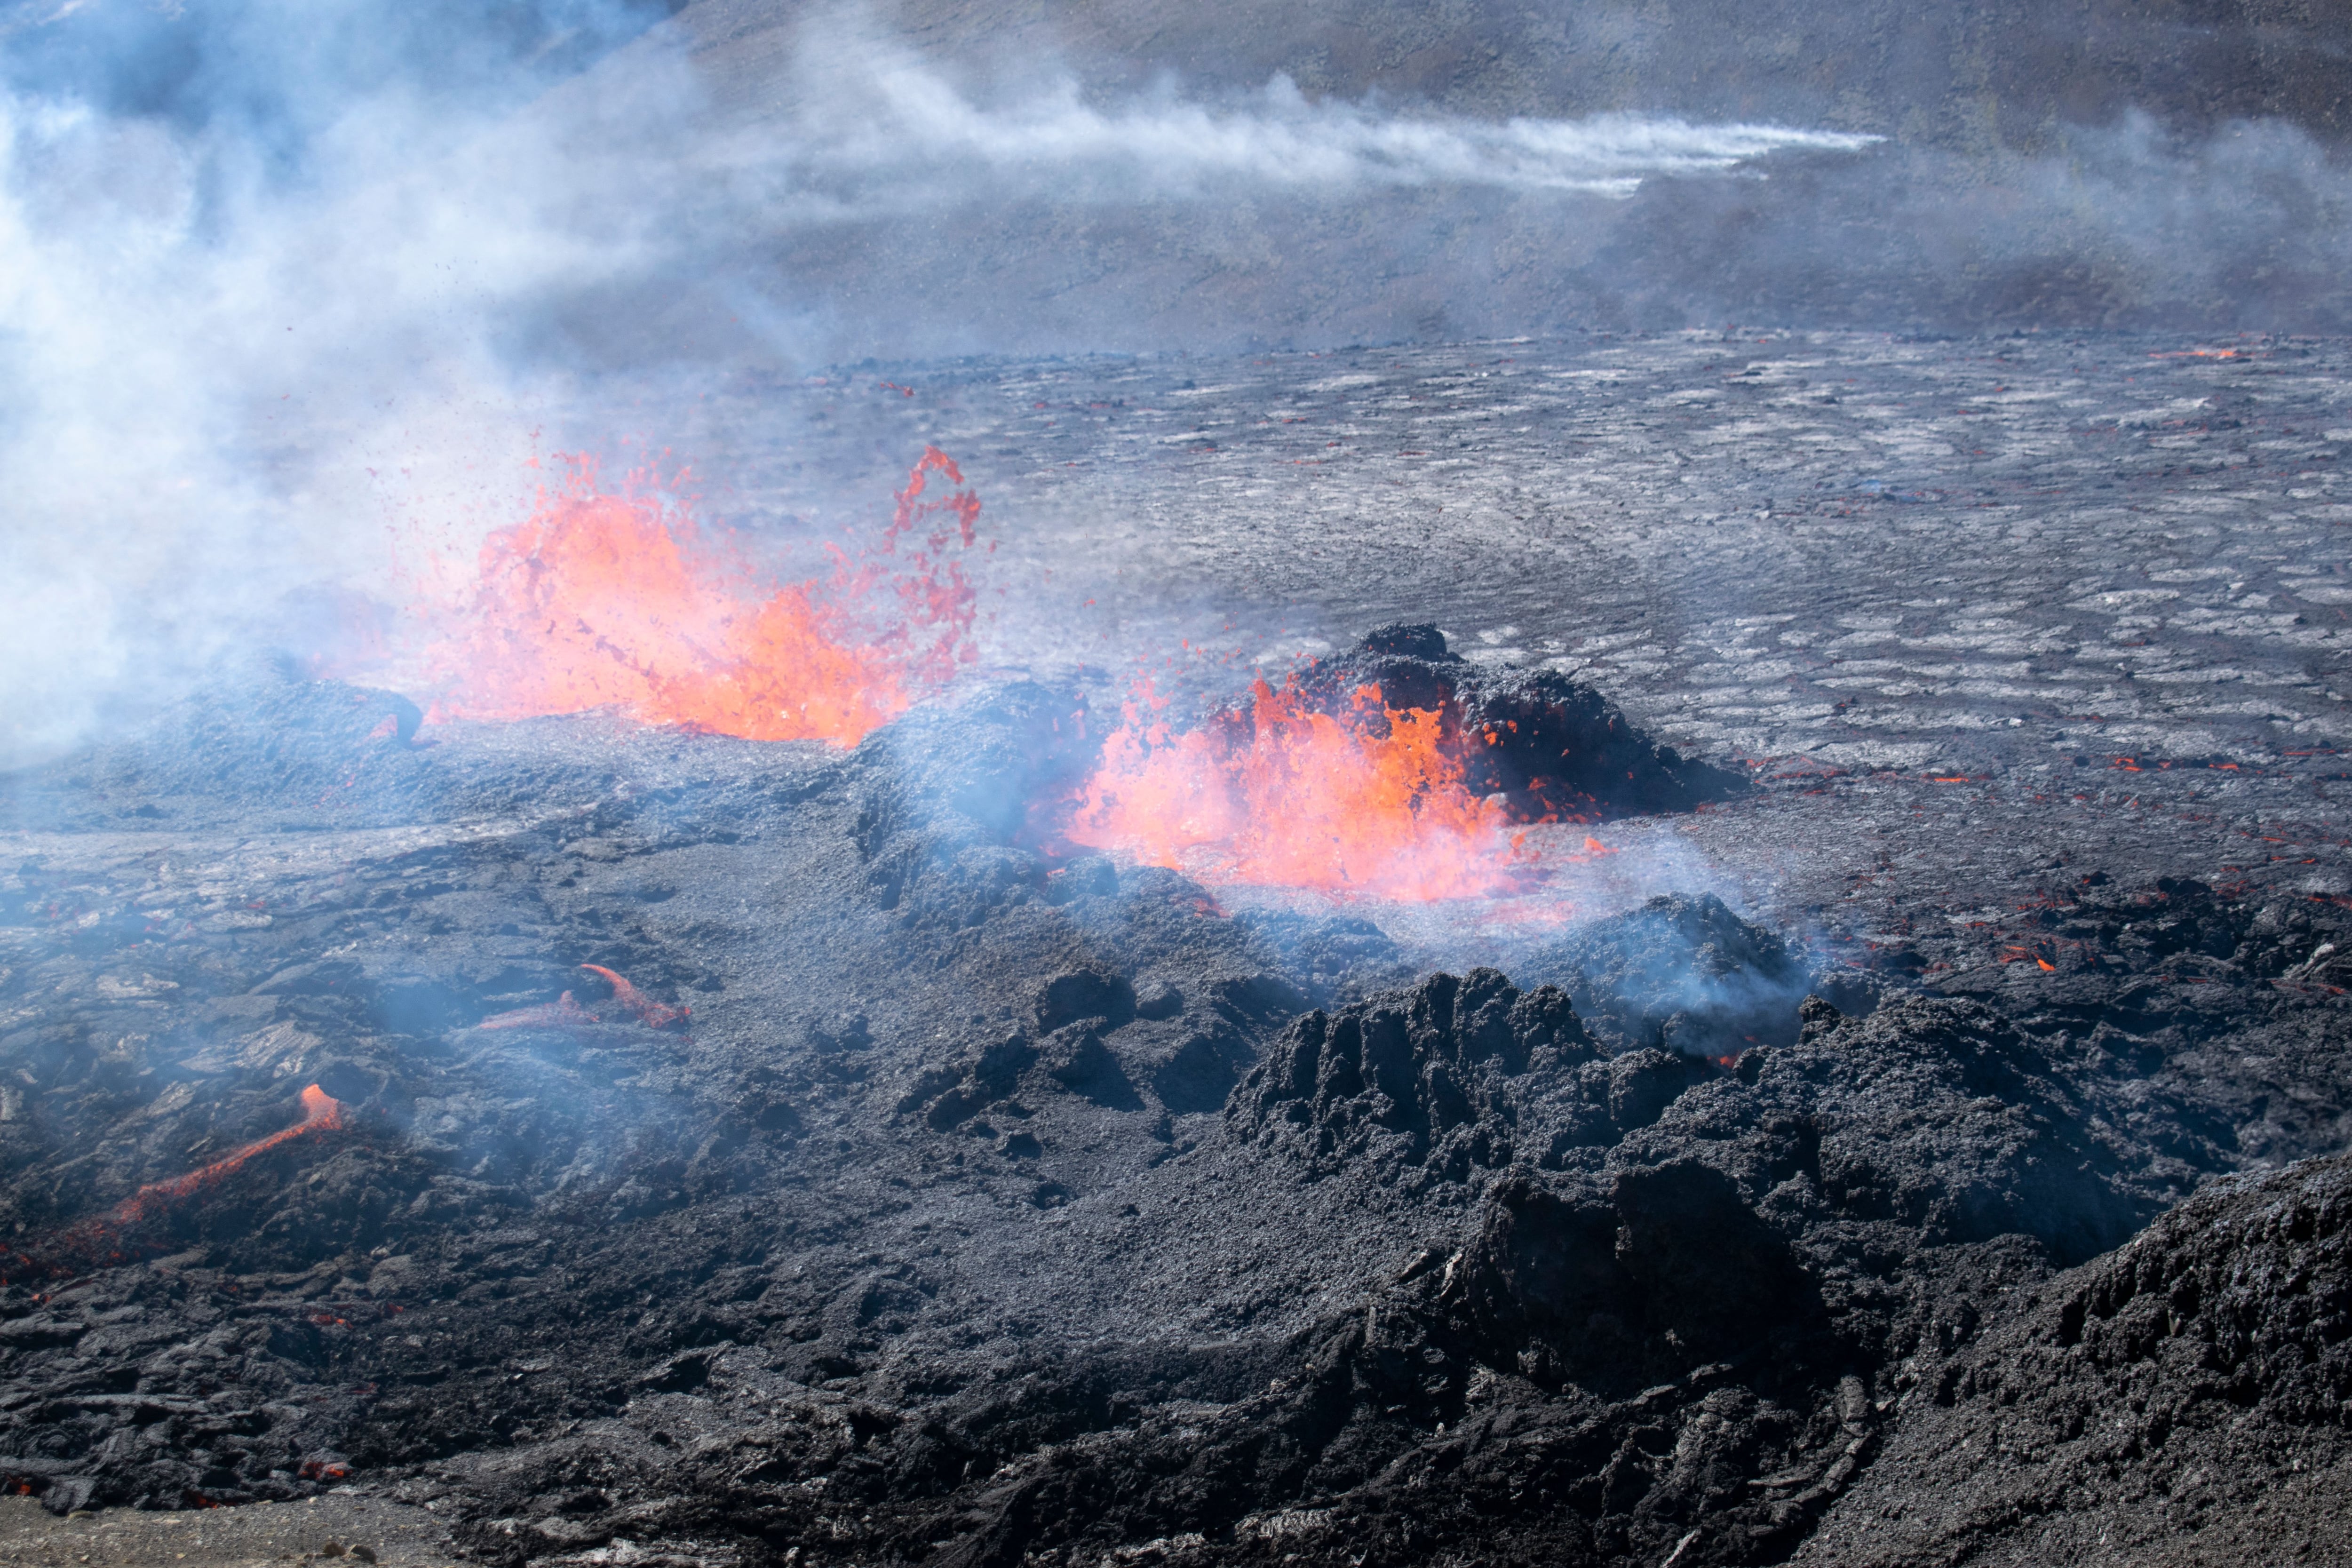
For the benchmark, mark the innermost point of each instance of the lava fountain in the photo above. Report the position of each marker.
(1369, 801)
(618, 598)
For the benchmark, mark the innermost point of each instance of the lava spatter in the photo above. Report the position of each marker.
(618, 598)
(1369, 801)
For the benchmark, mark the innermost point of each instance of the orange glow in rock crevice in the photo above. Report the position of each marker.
(617, 598)
(565, 1013)
(1371, 802)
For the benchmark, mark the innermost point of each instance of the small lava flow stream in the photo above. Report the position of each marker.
(105, 1237)
(321, 1112)
(566, 1013)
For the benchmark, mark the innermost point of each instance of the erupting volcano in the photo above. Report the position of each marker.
(1230, 1128)
(1396, 771)
(618, 598)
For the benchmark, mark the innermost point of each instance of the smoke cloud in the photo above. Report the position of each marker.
(273, 283)
(251, 268)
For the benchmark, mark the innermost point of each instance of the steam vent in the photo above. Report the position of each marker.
(1127, 786)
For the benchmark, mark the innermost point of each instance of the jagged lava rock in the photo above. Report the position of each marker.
(2183, 1400)
(1552, 747)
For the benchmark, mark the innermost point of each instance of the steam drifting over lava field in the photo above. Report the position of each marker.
(1905, 1121)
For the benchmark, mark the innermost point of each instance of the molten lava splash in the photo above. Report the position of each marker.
(320, 1113)
(617, 599)
(1372, 804)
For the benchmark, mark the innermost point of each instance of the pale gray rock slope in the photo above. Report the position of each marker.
(1863, 549)
(1924, 71)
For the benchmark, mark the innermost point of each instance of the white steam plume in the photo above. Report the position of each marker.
(226, 369)
(907, 126)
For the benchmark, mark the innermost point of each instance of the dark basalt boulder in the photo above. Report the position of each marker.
(2181, 925)
(1621, 1284)
(260, 740)
(1686, 974)
(1615, 1364)
(1932, 1115)
(1335, 959)
(1091, 991)
(953, 1094)
(1643, 1083)
(942, 793)
(1937, 1117)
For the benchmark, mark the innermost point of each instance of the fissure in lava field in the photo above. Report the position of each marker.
(1401, 1109)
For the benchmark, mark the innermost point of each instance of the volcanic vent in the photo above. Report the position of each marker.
(1398, 771)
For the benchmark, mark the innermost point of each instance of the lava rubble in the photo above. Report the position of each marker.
(1974, 1196)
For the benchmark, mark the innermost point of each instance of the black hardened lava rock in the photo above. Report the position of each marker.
(2183, 1400)
(1619, 1285)
(980, 1208)
(1683, 1335)
(1553, 748)
(2182, 923)
(1436, 1075)
(260, 743)
(1688, 974)
(941, 794)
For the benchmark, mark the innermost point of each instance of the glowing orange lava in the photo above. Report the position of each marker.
(320, 1113)
(618, 599)
(109, 1238)
(565, 1012)
(1371, 803)
(653, 1015)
